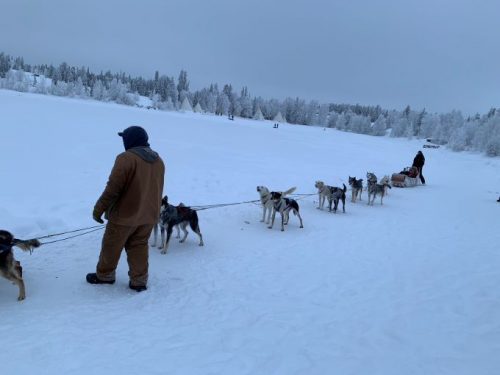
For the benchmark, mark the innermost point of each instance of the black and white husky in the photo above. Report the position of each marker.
(267, 203)
(357, 188)
(284, 206)
(171, 216)
(332, 193)
(375, 189)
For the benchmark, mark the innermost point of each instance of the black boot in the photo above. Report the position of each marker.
(93, 279)
(137, 288)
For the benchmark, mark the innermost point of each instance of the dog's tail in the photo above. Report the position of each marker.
(289, 191)
(27, 245)
(194, 222)
(345, 188)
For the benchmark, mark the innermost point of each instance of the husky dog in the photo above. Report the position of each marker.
(284, 206)
(386, 182)
(375, 189)
(158, 225)
(267, 203)
(171, 216)
(357, 188)
(10, 268)
(332, 193)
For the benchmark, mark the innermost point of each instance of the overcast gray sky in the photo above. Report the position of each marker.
(437, 54)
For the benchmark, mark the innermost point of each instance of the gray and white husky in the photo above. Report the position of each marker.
(284, 206)
(267, 203)
(375, 189)
(386, 181)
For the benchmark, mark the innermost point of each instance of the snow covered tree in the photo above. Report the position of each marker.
(311, 111)
(430, 122)
(223, 104)
(99, 92)
(359, 124)
(332, 119)
(379, 126)
(5, 64)
(245, 104)
(322, 117)
(182, 86)
(400, 127)
(342, 121)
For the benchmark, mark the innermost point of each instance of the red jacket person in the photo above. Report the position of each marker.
(131, 204)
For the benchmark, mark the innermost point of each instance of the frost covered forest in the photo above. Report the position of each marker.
(480, 132)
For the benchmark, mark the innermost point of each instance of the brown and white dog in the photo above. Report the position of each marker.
(267, 203)
(10, 268)
(332, 193)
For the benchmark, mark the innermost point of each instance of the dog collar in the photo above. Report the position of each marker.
(4, 248)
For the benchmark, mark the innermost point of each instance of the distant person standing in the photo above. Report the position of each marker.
(131, 203)
(419, 162)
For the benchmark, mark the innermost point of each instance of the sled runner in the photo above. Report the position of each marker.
(406, 178)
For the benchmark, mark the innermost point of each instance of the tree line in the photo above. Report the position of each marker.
(474, 133)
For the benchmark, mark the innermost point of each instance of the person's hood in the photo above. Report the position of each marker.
(134, 136)
(145, 153)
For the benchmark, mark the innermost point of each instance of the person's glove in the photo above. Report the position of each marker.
(97, 216)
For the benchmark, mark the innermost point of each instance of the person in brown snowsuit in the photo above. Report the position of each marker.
(131, 204)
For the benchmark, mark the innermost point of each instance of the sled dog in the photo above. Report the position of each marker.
(375, 189)
(10, 268)
(284, 206)
(267, 203)
(171, 216)
(386, 180)
(356, 187)
(332, 193)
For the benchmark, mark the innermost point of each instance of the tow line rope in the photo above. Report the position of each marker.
(76, 235)
(34, 242)
(95, 228)
(209, 206)
(71, 231)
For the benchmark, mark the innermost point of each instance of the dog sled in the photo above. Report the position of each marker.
(406, 178)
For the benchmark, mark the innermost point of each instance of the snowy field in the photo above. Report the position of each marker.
(410, 287)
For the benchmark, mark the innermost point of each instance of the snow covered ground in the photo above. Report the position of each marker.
(410, 287)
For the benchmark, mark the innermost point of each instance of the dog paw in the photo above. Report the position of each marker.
(282, 230)
(201, 244)
(181, 241)
(270, 227)
(301, 226)
(21, 298)
(164, 251)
